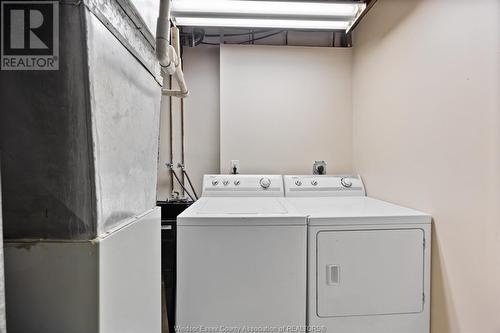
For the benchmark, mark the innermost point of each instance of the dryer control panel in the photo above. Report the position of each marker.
(243, 186)
(323, 186)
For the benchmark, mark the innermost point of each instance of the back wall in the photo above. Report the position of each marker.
(282, 107)
(296, 109)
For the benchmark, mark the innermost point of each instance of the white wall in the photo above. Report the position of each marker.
(202, 113)
(284, 107)
(201, 122)
(170, 131)
(426, 135)
(317, 118)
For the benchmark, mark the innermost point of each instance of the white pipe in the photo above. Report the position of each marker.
(176, 42)
(166, 54)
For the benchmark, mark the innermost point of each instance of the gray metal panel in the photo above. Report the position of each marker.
(148, 10)
(125, 103)
(58, 131)
(122, 19)
(52, 287)
(44, 144)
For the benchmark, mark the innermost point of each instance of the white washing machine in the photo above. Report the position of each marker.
(241, 258)
(368, 260)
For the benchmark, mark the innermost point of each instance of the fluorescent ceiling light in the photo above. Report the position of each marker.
(261, 23)
(267, 14)
(268, 8)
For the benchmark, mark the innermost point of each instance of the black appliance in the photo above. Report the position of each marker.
(169, 212)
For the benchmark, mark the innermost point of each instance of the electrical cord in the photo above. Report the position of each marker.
(239, 34)
(249, 40)
(193, 38)
(169, 165)
(262, 37)
(183, 168)
(184, 188)
(200, 39)
(190, 184)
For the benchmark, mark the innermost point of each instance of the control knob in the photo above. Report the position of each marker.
(225, 182)
(346, 182)
(298, 182)
(215, 182)
(314, 182)
(265, 183)
(236, 182)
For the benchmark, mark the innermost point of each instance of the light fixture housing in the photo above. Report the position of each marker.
(340, 15)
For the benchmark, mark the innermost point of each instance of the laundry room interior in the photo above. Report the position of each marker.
(235, 166)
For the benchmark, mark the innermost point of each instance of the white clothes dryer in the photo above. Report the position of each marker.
(368, 260)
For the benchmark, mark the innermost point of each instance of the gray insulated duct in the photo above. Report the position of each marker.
(79, 145)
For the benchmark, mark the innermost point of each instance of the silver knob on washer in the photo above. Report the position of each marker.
(314, 182)
(225, 182)
(298, 182)
(236, 182)
(215, 182)
(265, 183)
(346, 182)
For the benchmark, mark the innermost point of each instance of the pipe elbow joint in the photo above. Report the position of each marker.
(166, 57)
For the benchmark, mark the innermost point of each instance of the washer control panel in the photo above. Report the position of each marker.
(243, 185)
(323, 186)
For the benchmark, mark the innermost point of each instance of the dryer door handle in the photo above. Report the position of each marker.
(332, 275)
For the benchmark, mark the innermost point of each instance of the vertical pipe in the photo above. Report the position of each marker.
(166, 54)
(171, 135)
(163, 21)
(182, 140)
(182, 131)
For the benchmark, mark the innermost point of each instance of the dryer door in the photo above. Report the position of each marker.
(369, 272)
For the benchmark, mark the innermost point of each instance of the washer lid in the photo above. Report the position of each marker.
(241, 211)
